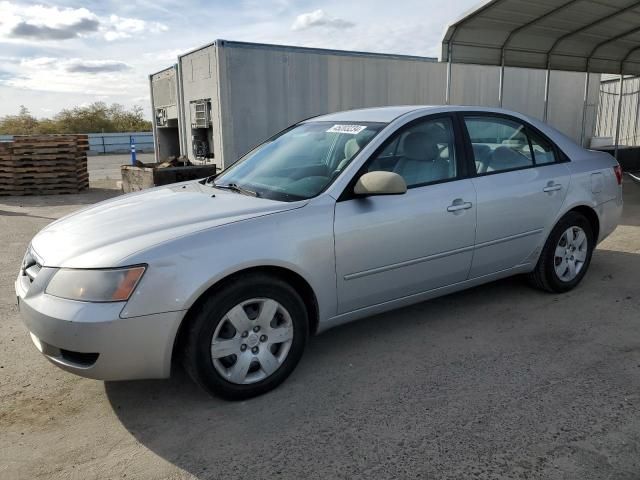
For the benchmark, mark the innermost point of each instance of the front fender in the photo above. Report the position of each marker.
(299, 240)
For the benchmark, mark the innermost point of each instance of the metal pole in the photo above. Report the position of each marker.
(501, 91)
(133, 150)
(448, 91)
(584, 108)
(636, 140)
(615, 152)
(546, 94)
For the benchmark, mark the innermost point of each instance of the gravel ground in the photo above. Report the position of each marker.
(500, 381)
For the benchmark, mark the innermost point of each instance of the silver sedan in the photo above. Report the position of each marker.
(334, 219)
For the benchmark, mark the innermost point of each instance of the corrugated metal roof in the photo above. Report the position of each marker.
(577, 35)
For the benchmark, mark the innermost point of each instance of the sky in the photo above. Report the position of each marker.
(56, 55)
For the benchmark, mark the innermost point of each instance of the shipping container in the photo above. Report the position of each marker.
(166, 103)
(234, 95)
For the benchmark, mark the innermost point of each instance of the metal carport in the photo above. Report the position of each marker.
(588, 36)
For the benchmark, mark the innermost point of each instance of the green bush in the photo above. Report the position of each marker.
(95, 118)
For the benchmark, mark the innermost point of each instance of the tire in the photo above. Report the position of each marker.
(546, 275)
(225, 322)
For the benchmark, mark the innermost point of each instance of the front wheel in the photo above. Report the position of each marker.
(566, 255)
(246, 337)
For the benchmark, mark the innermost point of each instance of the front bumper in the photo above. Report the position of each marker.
(91, 340)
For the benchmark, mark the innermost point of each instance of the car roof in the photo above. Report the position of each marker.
(376, 114)
(390, 113)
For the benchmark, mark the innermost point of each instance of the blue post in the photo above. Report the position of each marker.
(132, 141)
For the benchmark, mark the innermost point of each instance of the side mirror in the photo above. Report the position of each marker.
(380, 183)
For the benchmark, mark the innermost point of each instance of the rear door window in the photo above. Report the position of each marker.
(543, 152)
(498, 144)
(502, 144)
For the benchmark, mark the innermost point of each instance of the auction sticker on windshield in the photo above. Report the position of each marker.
(351, 129)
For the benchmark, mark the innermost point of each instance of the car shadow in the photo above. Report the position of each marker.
(343, 375)
(9, 213)
(167, 416)
(631, 210)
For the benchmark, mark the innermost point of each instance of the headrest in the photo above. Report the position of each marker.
(504, 158)
(363, 137)
(481, 150)
(419, 146)
(351, 147)
(437, 133)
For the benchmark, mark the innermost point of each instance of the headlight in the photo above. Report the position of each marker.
(112, 285)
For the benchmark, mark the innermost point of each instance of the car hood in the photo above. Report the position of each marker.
(105, 234)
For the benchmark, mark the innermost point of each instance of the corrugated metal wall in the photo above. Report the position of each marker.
(630, 111)
(257, 90)
(266, 90)
(524, 93)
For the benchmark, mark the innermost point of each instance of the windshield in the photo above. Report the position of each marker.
(300, 162)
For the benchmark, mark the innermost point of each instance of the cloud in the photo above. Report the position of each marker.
(74, 75)
(42, 22)
(44, 32)
(4, 76)
(96, 66)
(123, 27)
(37, 23)
(39, 62)
(318, 18)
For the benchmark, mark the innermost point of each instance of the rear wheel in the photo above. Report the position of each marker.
(247, 337)
(566, 255)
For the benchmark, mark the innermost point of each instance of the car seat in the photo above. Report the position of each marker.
(421, 162)
(505, 158)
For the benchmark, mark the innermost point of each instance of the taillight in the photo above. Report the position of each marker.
(618, 170)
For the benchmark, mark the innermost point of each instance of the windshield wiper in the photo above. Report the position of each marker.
(235, 188)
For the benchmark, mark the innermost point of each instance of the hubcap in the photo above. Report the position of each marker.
(570, 254)
(252, 341)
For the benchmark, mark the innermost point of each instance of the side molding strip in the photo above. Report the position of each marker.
(436, 256)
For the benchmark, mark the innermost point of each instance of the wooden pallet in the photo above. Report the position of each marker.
(46, 184)
(50, 141)
(62, 137)
(44, 164)
(36, 177)
(66, 172)
(36, 150)
(35, 173)
(51, 165)
(40, 183)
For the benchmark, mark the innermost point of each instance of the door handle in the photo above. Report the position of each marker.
(456, 207)
(552, 188)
